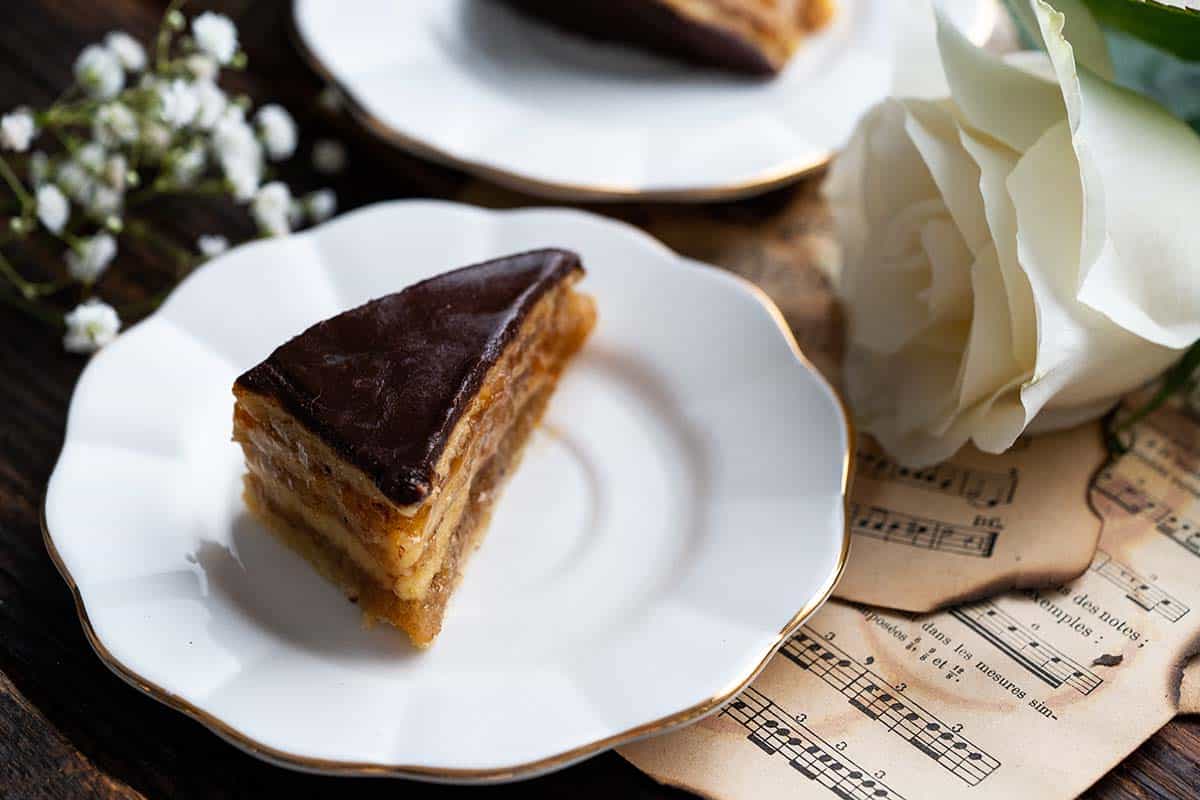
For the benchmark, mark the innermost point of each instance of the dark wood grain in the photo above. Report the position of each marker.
(71, 729)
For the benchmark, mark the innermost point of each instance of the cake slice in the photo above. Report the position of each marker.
(750, 36)
(376, 441)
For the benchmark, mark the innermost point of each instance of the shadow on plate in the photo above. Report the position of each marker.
(277, 591)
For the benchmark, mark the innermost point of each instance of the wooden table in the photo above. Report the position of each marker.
(71, 729)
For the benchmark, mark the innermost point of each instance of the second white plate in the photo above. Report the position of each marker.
(476, 85)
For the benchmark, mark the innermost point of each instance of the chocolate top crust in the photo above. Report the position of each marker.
(654, 25)
(385, 383)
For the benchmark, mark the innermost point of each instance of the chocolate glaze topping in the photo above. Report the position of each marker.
(653, 25)
(385, 383)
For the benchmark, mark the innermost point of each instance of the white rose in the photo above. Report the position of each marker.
(1019, 248)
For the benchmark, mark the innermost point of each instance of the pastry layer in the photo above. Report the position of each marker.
(420, 618)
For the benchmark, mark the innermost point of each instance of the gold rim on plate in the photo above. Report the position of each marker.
(517, 771)
(765, 181)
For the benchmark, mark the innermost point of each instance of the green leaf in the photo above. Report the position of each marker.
(1176, 30)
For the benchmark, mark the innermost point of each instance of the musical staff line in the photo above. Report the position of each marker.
(980, 488)
(1044, 661)
(887, 704)
(1138, 590)
(929, 534)
(776, 732)
(1135, 500)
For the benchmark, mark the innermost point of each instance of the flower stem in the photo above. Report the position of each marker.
(29, 290)
(1176, 379)
(163, 43)
(184, 259)
(33, 309)
(15, 184)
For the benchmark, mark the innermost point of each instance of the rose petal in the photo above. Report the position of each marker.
(933, 131)
(1141, 238)
(987, 91)
(995, 162)
(1082, 30)
(1083, 358)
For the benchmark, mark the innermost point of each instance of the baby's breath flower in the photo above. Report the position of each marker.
(320, 205)
(115, 171)
(178, 103)
(202, 67)
(187, 164)
(212, 245)
(104, 202)
(329, 156)
(216, 35)
(238, 152)
(39, 168)
(73, 179)
(90, 326)
(128, 50)
(270, 208)
(210, 104)
(17, 130)
(91, 157)
(88, 260)
(277, 130)
(156, 138)
(53, 208)
(114, 125)
(99, 72)
(330, 99)
(243, 177)
(295, 213)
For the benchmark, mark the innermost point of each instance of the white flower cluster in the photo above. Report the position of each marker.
(151, 127)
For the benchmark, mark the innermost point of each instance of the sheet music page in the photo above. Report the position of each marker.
(1034, 693)
(972, 526)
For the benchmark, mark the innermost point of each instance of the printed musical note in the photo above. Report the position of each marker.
(980, 488)
(1134, 499)
(776, 732)
(1044, 661)
(932, 534)
(887, 704)
(1138, 590)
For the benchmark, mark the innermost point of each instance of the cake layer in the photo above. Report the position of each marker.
(420, 618)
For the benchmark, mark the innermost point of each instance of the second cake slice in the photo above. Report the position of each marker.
(376, 441)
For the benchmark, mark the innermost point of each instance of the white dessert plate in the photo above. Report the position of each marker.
(476, 85)
(678, 515)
